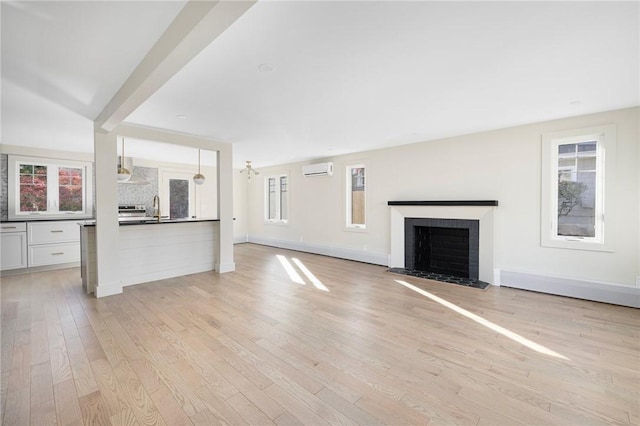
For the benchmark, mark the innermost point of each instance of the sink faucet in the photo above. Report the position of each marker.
(156, 207)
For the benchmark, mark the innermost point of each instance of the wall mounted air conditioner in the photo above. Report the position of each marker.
(320, 169)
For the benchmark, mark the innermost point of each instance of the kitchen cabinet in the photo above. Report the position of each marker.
(53, 243)
(13, 245)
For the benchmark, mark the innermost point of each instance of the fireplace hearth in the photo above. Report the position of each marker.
(442, 249)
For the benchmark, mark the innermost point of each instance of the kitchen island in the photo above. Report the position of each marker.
(150, 250)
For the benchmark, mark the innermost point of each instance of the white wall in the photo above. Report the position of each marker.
(503, 165)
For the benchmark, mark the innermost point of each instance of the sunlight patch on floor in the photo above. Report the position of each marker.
(507, 333)
(315, 281)
(295, 276)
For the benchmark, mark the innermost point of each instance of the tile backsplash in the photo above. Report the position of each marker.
(141, 189)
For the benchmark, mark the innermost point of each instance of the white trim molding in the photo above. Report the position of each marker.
(580, 289)
(223, 268)
(104, 290)
(241, 239)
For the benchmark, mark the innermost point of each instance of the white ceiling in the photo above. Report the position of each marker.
(293, 81)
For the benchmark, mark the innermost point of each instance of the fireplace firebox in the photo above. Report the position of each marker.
(447, 247)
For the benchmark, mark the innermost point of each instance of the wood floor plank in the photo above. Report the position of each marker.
(192, 364)
(17, 410)
(255, 395)
(297, 407)
(138, 398)
(248, 411)
(287, 419)
(68, 410)
(114, 399)
(219, 407)
(7, 338)
(171, 411)
(80, 367)
(91, 344)
(20, 370)
(94, 410)
(43, 405)
(39, 342)
(60, 366)
(353, 412)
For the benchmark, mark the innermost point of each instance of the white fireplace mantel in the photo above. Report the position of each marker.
(483, 213)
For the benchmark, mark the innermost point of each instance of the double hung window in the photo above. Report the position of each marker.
(277, 199)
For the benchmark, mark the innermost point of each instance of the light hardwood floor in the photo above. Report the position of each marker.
(255, 347)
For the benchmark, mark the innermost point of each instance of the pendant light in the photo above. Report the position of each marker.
(198, 178)
(123, 174)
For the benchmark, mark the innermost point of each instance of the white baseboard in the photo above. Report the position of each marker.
(241, 239)
(108, 289)
(34, 269)
(580, 289)
(496, 277)
(223, 268)
(342, 253)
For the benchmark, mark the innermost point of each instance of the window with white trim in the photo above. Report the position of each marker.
(356, 196)
(575, 193)
(45, 188)
(277, 198)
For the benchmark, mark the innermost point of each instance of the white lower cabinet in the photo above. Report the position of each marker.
(13, 246)
(53, 254)
(53, 243)
(43, 243)
(53, 232)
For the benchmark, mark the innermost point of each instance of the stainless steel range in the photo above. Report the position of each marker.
(132, 213)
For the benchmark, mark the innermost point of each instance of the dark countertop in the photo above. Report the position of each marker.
(151, 221)
(59, 219)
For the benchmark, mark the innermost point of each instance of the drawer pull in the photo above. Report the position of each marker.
(9, 227)
(57, 231)
(57, 253)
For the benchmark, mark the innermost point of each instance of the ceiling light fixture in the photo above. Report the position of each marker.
(123, 174)
(198, 178)
(249, 170)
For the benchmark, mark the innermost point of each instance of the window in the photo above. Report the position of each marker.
(46, 188)
(575, 190)
(277, 199)
(177, 194)
(356, 196)
(179, 200)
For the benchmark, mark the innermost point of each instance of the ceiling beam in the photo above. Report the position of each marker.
(195, 27)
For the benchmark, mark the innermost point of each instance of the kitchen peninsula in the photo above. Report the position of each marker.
(153, 250)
